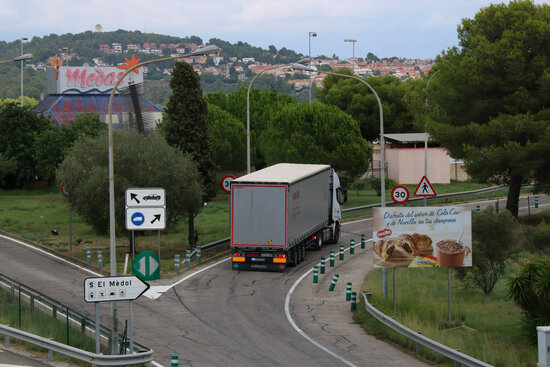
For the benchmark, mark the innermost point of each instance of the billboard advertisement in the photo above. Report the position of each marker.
(88, 79)
(422, 237)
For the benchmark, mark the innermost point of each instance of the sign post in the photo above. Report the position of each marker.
(66, 195)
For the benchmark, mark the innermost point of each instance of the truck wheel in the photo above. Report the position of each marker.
(318, 243)
(336, 235)
(293, 257)
(302, 252)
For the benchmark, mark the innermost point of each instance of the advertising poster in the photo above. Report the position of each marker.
(422, 237)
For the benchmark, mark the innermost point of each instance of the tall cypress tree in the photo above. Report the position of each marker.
(186, 126)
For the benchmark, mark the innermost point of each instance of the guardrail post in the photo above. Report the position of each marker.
(83, 325)
(333, 283)
(50, 352)
(315, 274)
(363, 241)
(7, 341)
(323, 265)
(187, 259)
(174, 361)
(341, 252)
(32, 302)
(177, 264)
(354, 301)
(457, 364)
(198, 255)
(418, 345)
(348, 291)
(99, 260)
(352, 246)
(88, 256)
(536, 201)
(331, 258)
(54, 312)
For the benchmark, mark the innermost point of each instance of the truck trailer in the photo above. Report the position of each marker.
(276, 213)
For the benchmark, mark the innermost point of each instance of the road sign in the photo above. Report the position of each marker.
(226, 183)
(400, 194)
(117, 288)
(144, 219)
(145, 197)
(146, 265)
(424, 188)
(63, 190)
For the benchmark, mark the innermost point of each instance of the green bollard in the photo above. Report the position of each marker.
(187, 259)
(323, 265)
(351, 246)
(536, 201)
(496, 206)
(478, 208)
(363, 241)
(315, 274)
(341, 252)
(331, 258)
(333, 283)
(354, 301)
(99, 260)
(348, 291)
(88, 256)
(174, 362)
(198, 255)
(177, 264)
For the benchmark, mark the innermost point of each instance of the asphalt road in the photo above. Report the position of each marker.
(222, 317)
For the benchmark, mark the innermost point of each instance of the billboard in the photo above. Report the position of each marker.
(422, 237)
(86, 79)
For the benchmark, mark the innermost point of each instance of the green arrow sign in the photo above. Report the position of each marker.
(146, 266)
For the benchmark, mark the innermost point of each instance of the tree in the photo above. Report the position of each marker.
(530, 290)
(357, 100)
(19, 128)
(317, 133)
(140, 161)
(495, 85)
(228, 137)
(186, 127)
(493, 243)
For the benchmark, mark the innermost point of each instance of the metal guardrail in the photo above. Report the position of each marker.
(422, 340)
(210, 246)
(82, 355)
(142, 355)
(438, 197)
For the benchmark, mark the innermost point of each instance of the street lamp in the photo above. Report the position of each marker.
(22, 39)
(382, 158)
(25, 57)
(311, 34)
(353, 41)
(204, 51)
(306, 61)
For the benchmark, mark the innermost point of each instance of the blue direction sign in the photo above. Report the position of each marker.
(146, 266)
(142, 219)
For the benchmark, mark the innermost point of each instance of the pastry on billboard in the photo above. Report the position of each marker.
(404, 245)
(421, 242)
(385, 249)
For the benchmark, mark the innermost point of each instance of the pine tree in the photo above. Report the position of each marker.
(185, 126)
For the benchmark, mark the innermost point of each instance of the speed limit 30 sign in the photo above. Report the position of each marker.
(400, 194)
(226, 183)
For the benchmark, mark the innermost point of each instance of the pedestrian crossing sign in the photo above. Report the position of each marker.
(424, 188)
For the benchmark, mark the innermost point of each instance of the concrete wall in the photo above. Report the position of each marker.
(406, 165)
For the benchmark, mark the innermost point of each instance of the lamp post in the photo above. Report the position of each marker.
(22, 39)
(311, 34)
(352, 41)
(66, 51)
(248, 109)
(382, 158)
(204, 51)
(25, 57)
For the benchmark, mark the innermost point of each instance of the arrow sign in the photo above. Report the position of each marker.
(157, 218)
(146, 265)
(144, 219)
(133, 196)
(117, 288)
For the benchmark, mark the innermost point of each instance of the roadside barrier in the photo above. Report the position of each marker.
(348, 291)
(174, 362)
(187, 259)
(342, 252)
(198, 256)
(99, 260)
(331, 258)
(352, 246)
(177, 264)
(323, 265)
(315, 274)
(333, 283)
(88, 256)
(363, 241)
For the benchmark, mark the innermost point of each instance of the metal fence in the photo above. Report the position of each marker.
(36, 300)
(455, 355)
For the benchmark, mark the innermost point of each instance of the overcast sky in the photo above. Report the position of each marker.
(403, 28)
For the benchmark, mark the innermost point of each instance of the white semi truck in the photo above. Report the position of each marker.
(279, 211)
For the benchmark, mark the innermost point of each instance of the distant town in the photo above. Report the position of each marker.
(247, 66)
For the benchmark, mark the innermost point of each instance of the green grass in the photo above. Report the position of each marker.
(41, 324)
(422, 305)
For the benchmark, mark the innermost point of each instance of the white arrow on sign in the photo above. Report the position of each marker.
(117, 288)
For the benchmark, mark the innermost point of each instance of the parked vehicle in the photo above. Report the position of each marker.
(278, 212)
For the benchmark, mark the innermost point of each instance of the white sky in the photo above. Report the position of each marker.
(403, 28)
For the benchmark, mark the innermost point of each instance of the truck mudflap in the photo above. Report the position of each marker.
(266, 261)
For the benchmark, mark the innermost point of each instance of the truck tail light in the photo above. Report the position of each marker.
(237, 258)
(281, 259)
